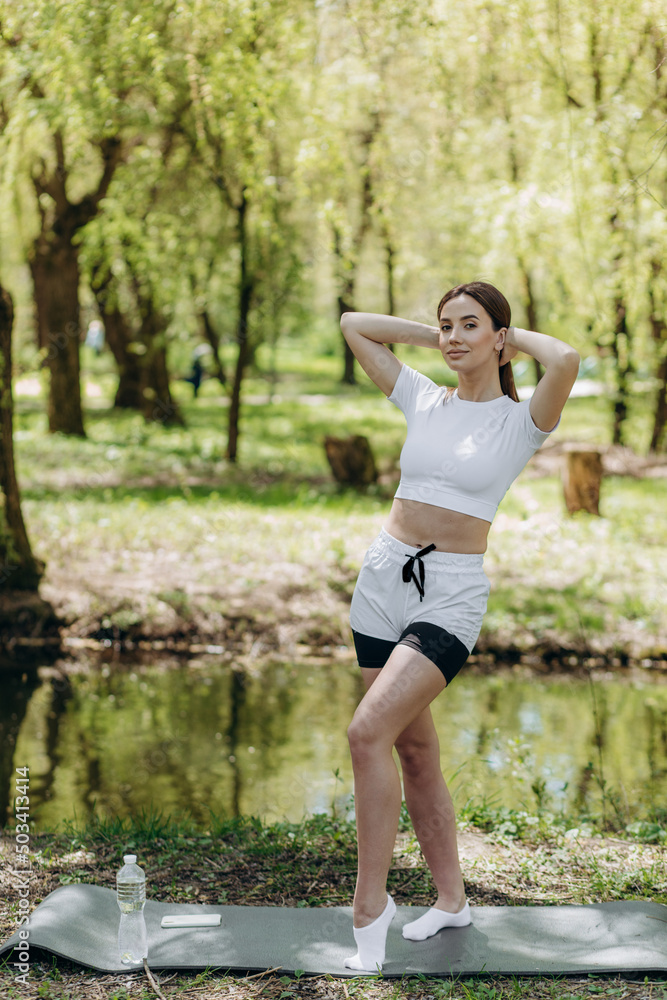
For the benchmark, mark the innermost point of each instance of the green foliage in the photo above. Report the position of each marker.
(648, 833)
(533, 168)
(509, 824)
(323, 833)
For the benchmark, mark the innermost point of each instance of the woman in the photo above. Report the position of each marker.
(421, 594)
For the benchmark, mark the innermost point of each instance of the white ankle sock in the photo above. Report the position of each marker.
(434, 921)
(371, 941)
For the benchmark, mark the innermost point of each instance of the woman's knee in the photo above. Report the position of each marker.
(365, 736)
(419, 758)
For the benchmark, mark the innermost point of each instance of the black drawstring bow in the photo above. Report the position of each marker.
(409, 570)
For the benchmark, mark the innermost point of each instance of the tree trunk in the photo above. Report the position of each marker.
(531, 311)
(27, 622)
(658, 435)
(19, 570)
(158, 403)
(620, 344)
(391, 289)
(391, 296)
(620, 348)
(245, 290)
(55, 273)
(121, 343)
(347, 262)
(235, 400)
(213, 340)
(659, 334)
(128, 392)
(344, 306)
(346, 279)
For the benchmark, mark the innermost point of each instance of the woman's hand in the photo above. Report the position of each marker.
(509, 350)
(560, 363)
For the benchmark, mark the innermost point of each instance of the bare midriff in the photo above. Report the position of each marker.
(421, 524)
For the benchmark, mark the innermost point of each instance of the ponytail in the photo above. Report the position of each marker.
(507, 382)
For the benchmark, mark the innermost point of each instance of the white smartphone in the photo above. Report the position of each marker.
(191, 920)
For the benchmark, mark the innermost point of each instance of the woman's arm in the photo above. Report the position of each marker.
(560, 363)
(367, 333)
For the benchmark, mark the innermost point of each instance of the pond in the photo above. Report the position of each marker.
(201, 737)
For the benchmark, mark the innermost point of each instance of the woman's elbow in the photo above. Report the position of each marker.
(570, 359)
(347, 324)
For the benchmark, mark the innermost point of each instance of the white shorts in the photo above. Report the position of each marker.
(455, 591)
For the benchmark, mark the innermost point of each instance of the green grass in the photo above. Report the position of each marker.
(331, 832)
(286, 429)
(313, 863)
(119, 495)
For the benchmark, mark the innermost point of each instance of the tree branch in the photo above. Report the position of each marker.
(632, 59)
(113, 152)
(54, 182)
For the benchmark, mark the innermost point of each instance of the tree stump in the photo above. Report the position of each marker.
(582, 476)
(351, 460)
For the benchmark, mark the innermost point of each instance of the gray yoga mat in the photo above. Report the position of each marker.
(80, 923)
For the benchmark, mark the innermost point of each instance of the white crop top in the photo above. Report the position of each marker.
(459, 454)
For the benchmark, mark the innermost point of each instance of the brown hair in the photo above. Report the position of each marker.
(500, 312)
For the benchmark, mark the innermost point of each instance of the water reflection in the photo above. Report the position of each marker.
(17, 689)
(203, 737)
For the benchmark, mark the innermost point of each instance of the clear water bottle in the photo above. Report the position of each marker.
(131, 896)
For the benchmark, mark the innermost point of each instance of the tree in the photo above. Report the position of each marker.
(348, 232)
(19, 569)
(658, 324)
(603, 76)
(656, 175)
(78, 88)
(119, 335)
(54, 263)
(23, 613)
(132, 258)
(367, 112)
(241, 72)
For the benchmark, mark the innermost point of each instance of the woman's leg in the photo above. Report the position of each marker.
(431, 809)
(398, 694)
(429, 804)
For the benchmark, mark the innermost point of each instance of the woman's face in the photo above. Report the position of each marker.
(467, 336)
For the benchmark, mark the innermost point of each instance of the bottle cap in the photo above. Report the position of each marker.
(130, 859)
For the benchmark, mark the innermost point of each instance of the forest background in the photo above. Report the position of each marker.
(219, 181)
